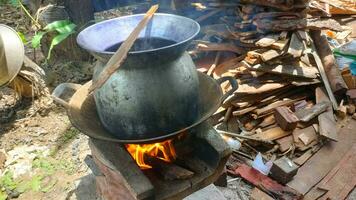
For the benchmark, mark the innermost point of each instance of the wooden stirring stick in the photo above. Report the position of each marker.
(120, 55)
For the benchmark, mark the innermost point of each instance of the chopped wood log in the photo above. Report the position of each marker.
(244, 111)
(269, 55)
(327, 123)
(308, 136)
(272, 134)
(244, 137)
(268, 25)
(307, 114)
(276, 104)
(337, 83)
(169, 171)
(299, 105)
(258, 88)
(273, 4)
(267, 41)
(285, 143)
(285, 118)
(296, 46)
(265, 183)
(297, 69)
(219, 47)
(280, 44)
(298, 143)
(267, 121)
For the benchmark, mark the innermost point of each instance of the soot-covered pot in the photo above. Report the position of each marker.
(155, 91)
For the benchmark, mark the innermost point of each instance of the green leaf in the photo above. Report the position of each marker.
(66, 29)
(36, 40)
(22, 36)
(15, 3)
(7, 181)
(3, 195)
(57, 24)
(56, 40)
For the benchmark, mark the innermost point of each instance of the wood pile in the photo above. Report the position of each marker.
(289, 84)
(335, 7)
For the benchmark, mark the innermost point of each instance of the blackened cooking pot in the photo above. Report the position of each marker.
(155, 91)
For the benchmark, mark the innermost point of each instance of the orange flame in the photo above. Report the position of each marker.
(163, 150)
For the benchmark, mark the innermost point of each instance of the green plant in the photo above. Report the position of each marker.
(63, 29)
(7, 181)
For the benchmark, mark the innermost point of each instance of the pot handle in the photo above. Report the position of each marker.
(64, 92)
(233, 84)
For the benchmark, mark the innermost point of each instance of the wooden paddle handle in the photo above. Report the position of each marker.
(120, 55)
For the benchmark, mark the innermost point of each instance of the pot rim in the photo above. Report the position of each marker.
(86, 47)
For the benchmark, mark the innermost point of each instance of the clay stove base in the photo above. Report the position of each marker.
(121, 178)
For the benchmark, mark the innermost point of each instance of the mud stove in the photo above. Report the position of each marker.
(200, 159)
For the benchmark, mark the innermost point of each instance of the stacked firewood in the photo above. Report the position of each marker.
(288, 84)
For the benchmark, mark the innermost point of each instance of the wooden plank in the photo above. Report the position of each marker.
(324, 77)
(289, 69)
(265, 183)
(327, 123)
(324, 160)
(341, 179)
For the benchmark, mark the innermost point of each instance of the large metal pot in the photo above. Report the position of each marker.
(83, 114)
(12, 54)
(155, 91)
